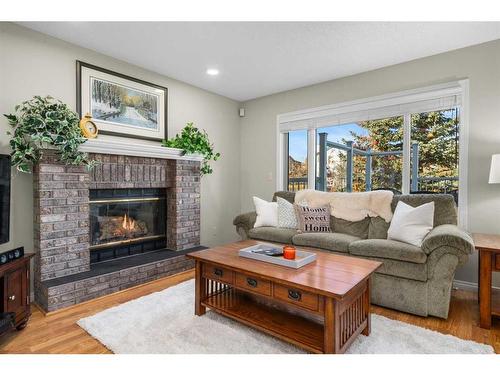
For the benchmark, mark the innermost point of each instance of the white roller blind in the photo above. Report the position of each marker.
(415, 101)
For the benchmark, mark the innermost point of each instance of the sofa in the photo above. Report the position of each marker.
(416, 280)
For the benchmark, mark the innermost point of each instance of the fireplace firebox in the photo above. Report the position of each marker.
(126, 222)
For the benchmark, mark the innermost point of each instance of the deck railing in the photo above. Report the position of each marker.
(297, 183)
(438, 184)
(428, 184)
(447, 184)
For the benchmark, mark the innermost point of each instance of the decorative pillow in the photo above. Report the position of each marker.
(313, 219)
(411, 224)
(353, 228)
(267, 213)
(286, 214)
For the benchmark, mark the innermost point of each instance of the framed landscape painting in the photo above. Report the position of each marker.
(121, 105)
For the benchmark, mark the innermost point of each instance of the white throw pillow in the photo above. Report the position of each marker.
(411, 224)
(267, 213)
(286, 214)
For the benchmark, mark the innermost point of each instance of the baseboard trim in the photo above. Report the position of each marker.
(467, 285)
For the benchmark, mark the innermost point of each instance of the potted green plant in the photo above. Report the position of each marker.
(45, 123)
(194, 141)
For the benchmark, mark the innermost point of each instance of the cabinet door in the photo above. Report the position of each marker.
(15, 290)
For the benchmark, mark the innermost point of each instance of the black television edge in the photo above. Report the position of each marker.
(4, 198)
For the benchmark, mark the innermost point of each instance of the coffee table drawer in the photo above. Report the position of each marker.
(214, 272)
(252, 283)
(296, 296)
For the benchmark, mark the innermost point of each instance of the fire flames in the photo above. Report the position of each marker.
(121, 227)
(128, 223)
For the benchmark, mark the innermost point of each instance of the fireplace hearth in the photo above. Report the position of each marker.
(126, 222)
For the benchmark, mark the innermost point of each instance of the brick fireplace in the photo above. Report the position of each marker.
(64, 197)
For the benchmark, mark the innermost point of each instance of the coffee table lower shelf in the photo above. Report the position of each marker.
(289, 327)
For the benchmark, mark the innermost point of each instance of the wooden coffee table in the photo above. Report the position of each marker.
(321, 307)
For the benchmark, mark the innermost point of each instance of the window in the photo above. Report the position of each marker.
(297, 160)
(435, 152)
(360, 156)
(339, 155)
(407, 142)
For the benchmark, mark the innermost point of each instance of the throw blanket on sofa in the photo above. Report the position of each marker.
(350, 206)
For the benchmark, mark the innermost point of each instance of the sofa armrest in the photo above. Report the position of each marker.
(245, 222)
(448, 235)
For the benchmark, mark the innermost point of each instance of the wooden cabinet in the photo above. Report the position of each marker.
(15, 289)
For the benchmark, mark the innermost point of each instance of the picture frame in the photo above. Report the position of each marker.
(121, 105)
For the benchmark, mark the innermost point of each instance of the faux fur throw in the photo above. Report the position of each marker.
(350, 206)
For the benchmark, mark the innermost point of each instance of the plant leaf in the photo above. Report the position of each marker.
(194, 140)
(41, 121)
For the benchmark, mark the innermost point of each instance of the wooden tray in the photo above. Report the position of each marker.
(301, 258)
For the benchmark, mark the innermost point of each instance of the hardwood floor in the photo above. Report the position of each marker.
(59, 333)
(463, 320)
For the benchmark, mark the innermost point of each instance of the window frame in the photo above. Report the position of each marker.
(307, 119)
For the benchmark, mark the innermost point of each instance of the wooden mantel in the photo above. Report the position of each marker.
(132, 147)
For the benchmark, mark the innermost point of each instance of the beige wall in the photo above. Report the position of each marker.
(481, 64)
(34, 64)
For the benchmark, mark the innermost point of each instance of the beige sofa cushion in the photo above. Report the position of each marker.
(378, 228)
(329, 241)
(397, 268)
(353, 228)
(281, 235)
(388, 249)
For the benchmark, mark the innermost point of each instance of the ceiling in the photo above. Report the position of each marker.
(261, 58)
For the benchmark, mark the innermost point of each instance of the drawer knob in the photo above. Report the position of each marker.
(251, 282)
(12, 297)
(294, 294)
(218, 272)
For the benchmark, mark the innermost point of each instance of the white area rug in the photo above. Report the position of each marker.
(164, 322)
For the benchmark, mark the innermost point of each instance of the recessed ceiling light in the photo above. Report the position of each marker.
(212, 72)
